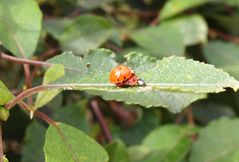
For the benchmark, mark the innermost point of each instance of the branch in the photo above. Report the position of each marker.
(24, 60)
(1, 144)
(126, 117)
(38, 114)
(217, 33)
(190, 117)
(103, 124)
(26, 66)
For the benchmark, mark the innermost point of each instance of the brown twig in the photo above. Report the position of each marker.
(38, 114)
(26, 66)
(1, 143)
(113, 47)
(190, 116)
(53, 123)
(180, 117)
(126, 117)
(189, 113)
(34, 90)
(24, 60)
(220, 34)
(24, 95)
(100, 118)
(48, 53)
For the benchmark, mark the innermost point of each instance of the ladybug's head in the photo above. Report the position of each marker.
(141, 82)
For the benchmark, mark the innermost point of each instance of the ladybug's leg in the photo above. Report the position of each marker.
(121, 84)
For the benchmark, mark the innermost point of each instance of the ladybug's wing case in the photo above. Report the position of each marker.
(120, 74)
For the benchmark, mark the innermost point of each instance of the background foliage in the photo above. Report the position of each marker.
(169, 43)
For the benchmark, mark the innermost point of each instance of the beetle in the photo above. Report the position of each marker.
(123, 76)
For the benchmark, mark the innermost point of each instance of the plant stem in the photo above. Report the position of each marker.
(41, 88)
(100, 117)
(23, 95)
(38, 114)
(24, 60)
(53, 123)
(126, 117)
(190, 116)
(26, 66)
(224, 36)
(1, 143)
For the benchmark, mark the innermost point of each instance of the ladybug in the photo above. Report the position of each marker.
(123, 76)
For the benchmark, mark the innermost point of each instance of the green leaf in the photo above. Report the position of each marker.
(138, 152)
(117, 152)
(167, 144)
(4, 114)
(33, 143)
(206, 112)
(20, 25)
(171, 37)
(56, 27)
(193, 28)
(53, 73)
(218, 142)
(223, 55)
(5, 94)
(163, 40)
(174, 7)
(226, 22)
(173, 82)
(74, 115)
(5, 159)
(167, 137)
(86, 32)
(69, 144)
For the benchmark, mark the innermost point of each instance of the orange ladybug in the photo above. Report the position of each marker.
(123, 76)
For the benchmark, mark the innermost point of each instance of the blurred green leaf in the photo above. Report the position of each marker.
(86, 32)
(53, 73)
(218, 142)
(223, 55)
(5, 159)
(173, 82)
(69, 144)
(167, 144)
(138, 152)
(33, 143)
(117, 152)
(193, 28)
(20, 25)
(4, 114)
(174, 7)
(56, 27)
(5, 94)
(229, 23)
(206, 112)
(163, 40)
(74, 115)
(167, 137)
